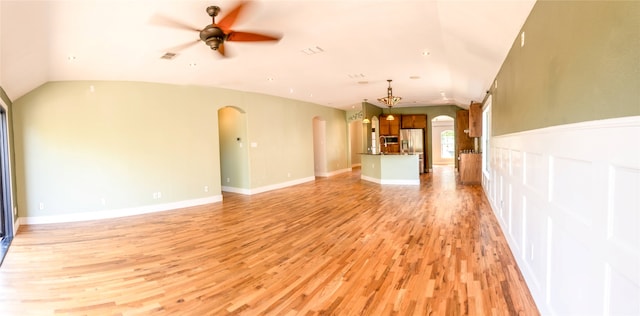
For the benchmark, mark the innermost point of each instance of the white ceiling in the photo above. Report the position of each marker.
(362, 41)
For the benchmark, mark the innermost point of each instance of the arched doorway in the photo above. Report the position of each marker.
(320, 147)
(443, 140)
(234, 150)
(374, 139)
(355, 142)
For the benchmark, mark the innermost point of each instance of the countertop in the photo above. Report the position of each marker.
(389, 154)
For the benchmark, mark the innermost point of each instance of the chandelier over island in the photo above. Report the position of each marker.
(390, 100)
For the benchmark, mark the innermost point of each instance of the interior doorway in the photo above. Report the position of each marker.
(320, 147)
(355, 142)
(443, 140)
(234, 150)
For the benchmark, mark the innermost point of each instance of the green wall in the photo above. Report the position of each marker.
(90, 146)
(580, 62)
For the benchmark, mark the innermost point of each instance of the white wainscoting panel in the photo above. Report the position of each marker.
(568, 200)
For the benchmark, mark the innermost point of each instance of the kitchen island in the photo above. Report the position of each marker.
(390, 168)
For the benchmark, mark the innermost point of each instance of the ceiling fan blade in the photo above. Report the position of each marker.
(228, 20)
(251, 37)
(180, 47)
(162, 20)
(221, 50)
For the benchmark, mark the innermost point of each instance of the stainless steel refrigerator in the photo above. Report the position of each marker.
(412, 142)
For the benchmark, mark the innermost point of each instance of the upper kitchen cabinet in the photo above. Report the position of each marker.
(464, 141)
(475, 120)
(414, 121)
(389, 128)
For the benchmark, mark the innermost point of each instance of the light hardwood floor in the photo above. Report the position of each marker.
(335, 246)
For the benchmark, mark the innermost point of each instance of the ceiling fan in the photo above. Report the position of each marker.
(216, 34)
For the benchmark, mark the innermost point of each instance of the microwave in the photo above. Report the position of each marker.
(389, 139)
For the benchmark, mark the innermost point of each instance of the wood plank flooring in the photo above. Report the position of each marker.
(336, 246)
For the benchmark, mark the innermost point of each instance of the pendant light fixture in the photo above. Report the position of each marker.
(366, 119)
(390, 100)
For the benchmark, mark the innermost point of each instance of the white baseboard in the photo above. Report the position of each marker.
(333, 173)
(268, 187)
(391, 181)
(88, 216)
(16, 225)
(236, 190)
(339, 171)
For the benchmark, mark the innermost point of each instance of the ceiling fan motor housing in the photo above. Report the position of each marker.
(212, 36)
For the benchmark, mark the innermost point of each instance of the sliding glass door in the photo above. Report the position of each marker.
(6, 218)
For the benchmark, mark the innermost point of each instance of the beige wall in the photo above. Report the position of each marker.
(114, 146)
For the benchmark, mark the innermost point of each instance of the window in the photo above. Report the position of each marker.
(486, 138)
(447, 144)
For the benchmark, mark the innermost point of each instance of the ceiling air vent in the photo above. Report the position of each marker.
(168, 56)
(313, 50)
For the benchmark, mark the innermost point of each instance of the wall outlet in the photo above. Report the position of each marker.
(103, 201)
(206, 188)
(41, 206)
(228, 180)
(288, 174)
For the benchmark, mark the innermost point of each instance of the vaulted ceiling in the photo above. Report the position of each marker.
(334, 53)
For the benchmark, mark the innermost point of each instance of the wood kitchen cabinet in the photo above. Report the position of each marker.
(394, 126)
(470, 168)
(388, 128)
(390, 148)
(384, 126)
(463, 140)
(414, 121)
(475, 120)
